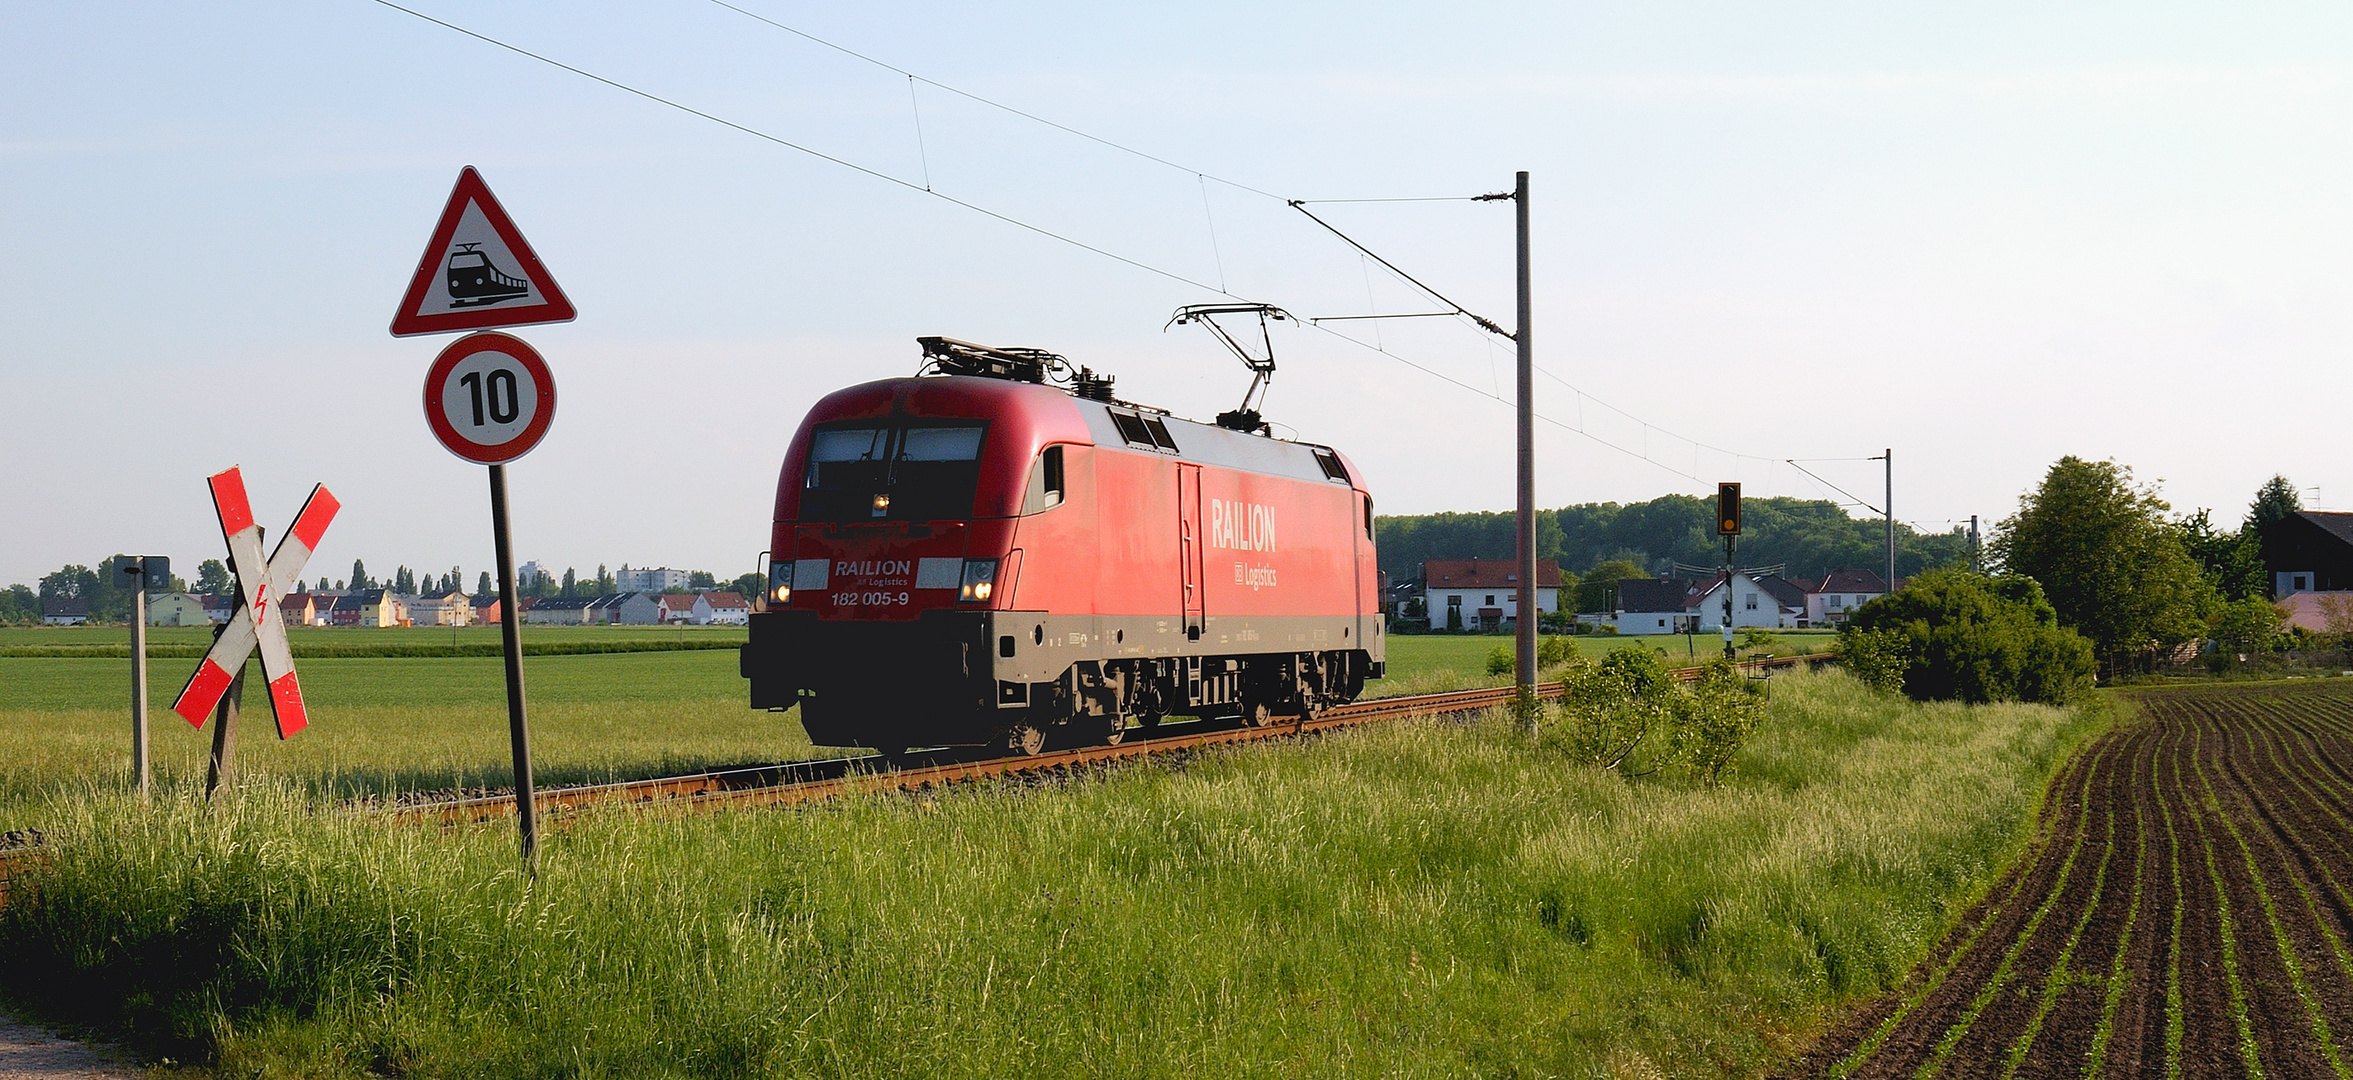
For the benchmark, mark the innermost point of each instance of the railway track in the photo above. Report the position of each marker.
(810, 781)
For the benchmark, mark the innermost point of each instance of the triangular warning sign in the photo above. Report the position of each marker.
(478, 272)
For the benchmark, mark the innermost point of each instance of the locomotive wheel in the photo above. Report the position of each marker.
(1257, 714)
(1149, 719)
(1025, 739)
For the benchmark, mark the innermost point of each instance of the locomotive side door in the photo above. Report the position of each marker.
(1189, 544)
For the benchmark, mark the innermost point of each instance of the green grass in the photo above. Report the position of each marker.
(1422, 898)
(384, 724)
(380, 725)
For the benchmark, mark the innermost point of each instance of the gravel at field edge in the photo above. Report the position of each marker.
(29, 1053)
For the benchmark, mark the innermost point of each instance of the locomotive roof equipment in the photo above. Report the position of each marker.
(1262, 371)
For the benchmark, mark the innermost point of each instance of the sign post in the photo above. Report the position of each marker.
(138, 571)
(488, 397)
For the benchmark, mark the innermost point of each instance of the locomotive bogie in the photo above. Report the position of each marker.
(971, 561)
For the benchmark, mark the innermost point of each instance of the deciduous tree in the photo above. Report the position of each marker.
(2111, 564)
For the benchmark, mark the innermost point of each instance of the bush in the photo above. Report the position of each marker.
(1500, 660)
(1714, 720)
(1876, 658)
(1955, 635)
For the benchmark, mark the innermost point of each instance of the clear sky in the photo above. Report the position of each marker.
(1984, 235)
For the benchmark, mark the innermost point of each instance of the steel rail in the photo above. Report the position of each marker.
(808, 781)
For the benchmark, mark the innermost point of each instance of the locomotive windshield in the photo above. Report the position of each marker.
(916, 473)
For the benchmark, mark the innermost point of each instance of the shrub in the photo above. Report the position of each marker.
(1715, 719)
(1956, 635)
(1627, 712)
(1876, 658)
(1500, 660)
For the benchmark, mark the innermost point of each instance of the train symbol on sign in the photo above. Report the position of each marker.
(475, 280)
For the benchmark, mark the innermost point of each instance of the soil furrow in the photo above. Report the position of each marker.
(2187, 911)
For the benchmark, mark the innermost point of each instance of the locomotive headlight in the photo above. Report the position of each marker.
(980, 580)
(882, 505)
(780, 582)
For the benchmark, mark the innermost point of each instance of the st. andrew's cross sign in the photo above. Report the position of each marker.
(258, 623)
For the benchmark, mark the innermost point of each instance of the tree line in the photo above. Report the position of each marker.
(2093, 575)
(1599, 542)
(110, 600)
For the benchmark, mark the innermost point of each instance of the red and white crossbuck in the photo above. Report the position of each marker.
(258, 622)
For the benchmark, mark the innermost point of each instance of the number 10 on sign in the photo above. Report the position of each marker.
(489, 398)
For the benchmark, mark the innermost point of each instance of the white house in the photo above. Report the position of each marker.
(722, 609)
(1661, 606)
(1761, 601)
(64, 611)
(1483, 594)
(1840, 593)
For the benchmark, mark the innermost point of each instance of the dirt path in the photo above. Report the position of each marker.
(2190, 914)
(30, 1054)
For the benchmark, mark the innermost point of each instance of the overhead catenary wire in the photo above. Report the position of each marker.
(1472, 319)
(812, 152)
(887, 66)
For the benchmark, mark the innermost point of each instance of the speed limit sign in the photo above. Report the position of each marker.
(489, 398)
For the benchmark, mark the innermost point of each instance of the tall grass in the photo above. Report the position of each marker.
(1414, 899)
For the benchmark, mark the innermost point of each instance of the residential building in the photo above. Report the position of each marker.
(1839, 593)
(486, 610)
(440, 609)
(1483, 594)
(2309, 551)
(1660, 606)
(676, 607)
(657, 579)
(64, 611)
(298, 609)
(368, 607)
(2319, 612)
(530, 574)
(219, 607)
(575, 610)
(1759, 602)
(176, 609)
(722, 609)
(637, 609)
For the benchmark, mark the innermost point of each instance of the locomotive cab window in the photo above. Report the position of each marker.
(1368, 517)
(1045, 482)
(923, 472)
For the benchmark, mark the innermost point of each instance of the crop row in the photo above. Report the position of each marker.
(2184, 912)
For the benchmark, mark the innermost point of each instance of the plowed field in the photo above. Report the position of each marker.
(2189, 915)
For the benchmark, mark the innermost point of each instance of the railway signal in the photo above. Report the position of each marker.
(477, 271)
(1728, 527)
(257, 623)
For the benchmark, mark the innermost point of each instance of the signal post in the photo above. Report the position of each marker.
(1728, 527)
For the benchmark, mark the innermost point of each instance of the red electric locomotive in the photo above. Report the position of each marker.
(973, 556)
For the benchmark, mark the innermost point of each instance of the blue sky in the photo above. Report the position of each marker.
(1985, 238)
